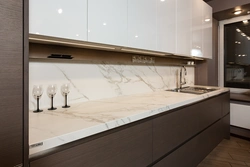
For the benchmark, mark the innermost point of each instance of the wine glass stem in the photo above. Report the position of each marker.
(66, 100)
(52, 102)
(37, 99)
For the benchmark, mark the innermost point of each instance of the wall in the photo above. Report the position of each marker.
(98, 81)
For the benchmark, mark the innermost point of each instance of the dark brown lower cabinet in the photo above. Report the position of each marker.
(192, 152)
(181, 137)
(126, 148)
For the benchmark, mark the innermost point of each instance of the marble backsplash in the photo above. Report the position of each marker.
(99, 81)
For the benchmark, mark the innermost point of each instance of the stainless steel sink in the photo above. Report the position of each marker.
(194, 90)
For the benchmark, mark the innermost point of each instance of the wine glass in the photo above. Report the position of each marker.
(51, 91)
(65, 92)
(37, 93)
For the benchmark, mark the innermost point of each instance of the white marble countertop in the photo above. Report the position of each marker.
(49, 129)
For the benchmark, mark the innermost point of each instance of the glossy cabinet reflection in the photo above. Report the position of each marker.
(142, 24)
(196, 49)
(180, 27)
(59, 18)
(183, 27)
(207, 31)
(107, 22)
(166, 26)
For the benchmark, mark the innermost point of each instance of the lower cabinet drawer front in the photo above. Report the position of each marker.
(195, 150)
(226, 126)
(174, 128)
(240, 115)
(210, 111)
(126, 148)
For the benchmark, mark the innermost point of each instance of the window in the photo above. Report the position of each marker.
(237, 54)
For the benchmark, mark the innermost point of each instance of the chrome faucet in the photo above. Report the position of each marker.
(181, 76)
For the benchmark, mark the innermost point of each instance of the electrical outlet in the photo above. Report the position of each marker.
(143, 59)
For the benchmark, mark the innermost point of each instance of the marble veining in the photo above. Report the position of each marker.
(99, 81)
(54, 128)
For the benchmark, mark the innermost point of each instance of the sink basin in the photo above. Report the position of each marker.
(194, 90)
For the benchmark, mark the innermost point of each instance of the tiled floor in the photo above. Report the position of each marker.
(229, 153)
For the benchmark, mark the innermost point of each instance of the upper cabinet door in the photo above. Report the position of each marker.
(107, 22)
(207, 31)
(142, 24)
(196, 49)
(183, 27)
(59, 18)
(166, 26)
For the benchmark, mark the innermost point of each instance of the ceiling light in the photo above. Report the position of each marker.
(238, 30)
(207, 20)
(243, 34)
(136, 36)
(245, 21)
(60, 11)
(162, 0)
(248, 38)
(248, 12)
(237, 12)
(104, 24)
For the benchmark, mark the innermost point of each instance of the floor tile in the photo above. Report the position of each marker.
(229, 153)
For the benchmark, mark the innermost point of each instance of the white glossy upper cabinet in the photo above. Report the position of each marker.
(59, 18)
(207, 31)
(166, 26)
(142, 24)
(183, 27)
(196, 49)
(107, 21)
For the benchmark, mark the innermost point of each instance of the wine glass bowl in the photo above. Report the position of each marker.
(37, 92)
(65, 91)
(51, 91)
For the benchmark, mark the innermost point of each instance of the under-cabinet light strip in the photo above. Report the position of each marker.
(140, 51)
(71, 43)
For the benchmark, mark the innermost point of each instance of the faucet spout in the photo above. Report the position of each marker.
(182, 77)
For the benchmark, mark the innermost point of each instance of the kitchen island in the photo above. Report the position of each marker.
(52, 132)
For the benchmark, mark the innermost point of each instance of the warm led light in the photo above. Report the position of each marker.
(238, 30)
(245, 21)
(60, 11)
(243, 34)
(207, 20)
(248, 38)
(142, 51)
(73, 43)
(237, 12)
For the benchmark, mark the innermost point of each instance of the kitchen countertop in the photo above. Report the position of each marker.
(243, 97)
(50, 129)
